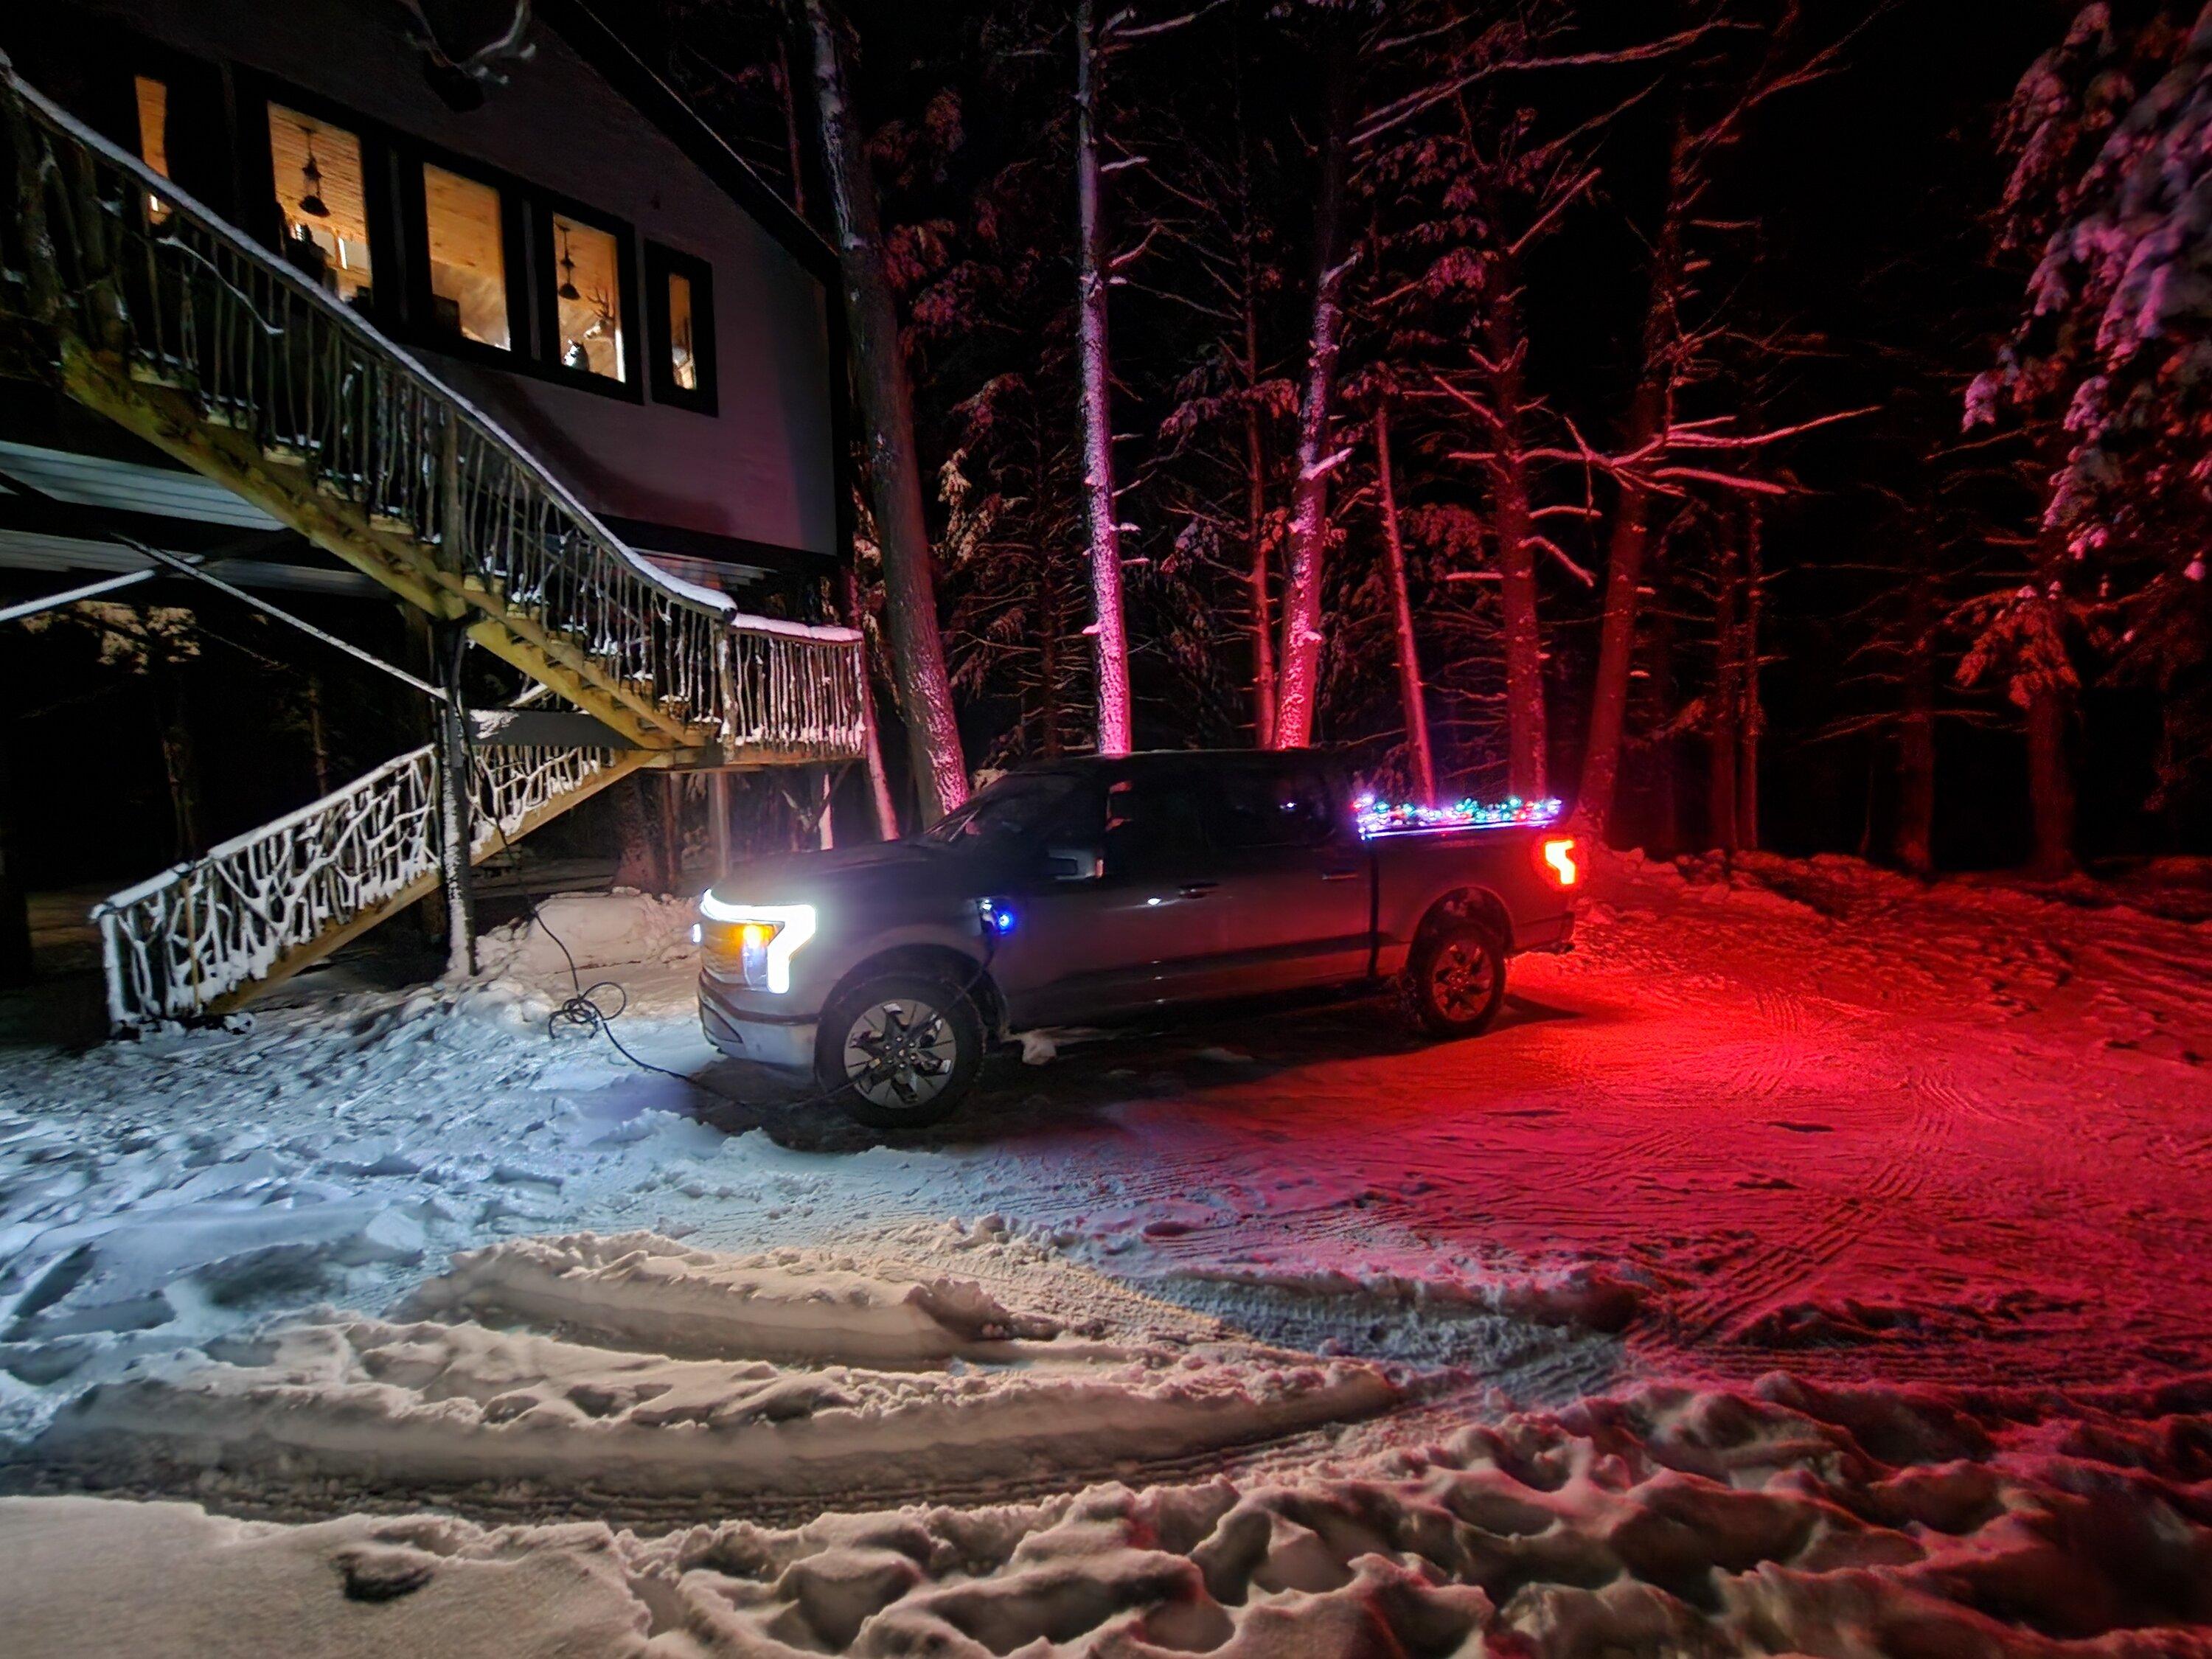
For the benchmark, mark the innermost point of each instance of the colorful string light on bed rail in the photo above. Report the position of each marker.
(1378, 818)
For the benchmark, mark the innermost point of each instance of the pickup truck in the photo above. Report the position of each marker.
(1097, 891)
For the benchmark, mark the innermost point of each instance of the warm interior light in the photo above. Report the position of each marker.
(1559, 856)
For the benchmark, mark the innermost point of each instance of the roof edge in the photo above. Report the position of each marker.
(610, 55)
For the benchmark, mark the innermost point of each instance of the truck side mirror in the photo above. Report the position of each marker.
(1074, 863)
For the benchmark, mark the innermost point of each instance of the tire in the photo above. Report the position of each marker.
(1455, 980)
(945, 1050)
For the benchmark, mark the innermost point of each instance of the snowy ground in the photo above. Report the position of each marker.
(1811, 1262)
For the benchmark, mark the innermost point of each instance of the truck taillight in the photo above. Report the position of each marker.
(1557, 855)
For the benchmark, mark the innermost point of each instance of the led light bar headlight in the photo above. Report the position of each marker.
(764, 937)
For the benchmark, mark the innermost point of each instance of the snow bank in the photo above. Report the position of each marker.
(597, 930)
(459, 1405)
(644, 1291)
(1789, 1519)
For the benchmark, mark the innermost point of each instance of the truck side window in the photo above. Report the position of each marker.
(1152, 825)
(1254, 809)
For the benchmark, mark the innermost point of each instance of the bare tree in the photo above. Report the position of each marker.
(886, 398)
(1101, 507)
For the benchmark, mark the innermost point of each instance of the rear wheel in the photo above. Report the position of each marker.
(899, 1050)
(1455, 980)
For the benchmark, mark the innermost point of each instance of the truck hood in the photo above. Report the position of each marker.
(875, 867)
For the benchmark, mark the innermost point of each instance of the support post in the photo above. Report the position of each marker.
(718, 796)
(456, 799)
(828, 835)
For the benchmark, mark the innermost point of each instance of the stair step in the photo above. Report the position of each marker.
(390, 524)
(284, 454)
(175, 376)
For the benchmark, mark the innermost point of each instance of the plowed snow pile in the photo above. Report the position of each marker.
(784, 1394)
(1793, 1520)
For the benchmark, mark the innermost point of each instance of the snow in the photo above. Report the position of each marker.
(1810, 1261)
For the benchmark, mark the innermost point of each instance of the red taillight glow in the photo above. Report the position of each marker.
(1560, 859)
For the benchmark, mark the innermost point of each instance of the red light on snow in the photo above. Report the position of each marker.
(1559, 858)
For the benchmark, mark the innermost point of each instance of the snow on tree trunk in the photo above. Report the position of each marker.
(1299, 684)
(1095, 399)
(1411, 688)
(886, 400)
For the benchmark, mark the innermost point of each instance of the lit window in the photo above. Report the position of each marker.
(468, 258)
(154, 137)
(679, 321)
(587, 298)
(683, 361)
(319, 176)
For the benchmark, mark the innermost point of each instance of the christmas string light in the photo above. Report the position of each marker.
(1377, 818)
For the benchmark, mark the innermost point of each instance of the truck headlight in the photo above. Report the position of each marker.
(763, 937)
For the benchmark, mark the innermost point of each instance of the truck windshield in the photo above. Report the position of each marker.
(1009, 813)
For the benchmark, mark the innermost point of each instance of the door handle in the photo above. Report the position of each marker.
(1198, 889)
(1340, 875)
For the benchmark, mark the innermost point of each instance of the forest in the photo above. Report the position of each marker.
(1755, 421)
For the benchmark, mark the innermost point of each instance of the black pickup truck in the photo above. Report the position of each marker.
(1090, 891)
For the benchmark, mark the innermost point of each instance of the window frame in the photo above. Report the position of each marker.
(545, 258)
(515, 205)
(662, 262)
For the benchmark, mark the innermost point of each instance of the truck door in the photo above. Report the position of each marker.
(1138, 930)
(1294, 901)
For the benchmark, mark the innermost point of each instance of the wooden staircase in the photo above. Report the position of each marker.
(183, 330)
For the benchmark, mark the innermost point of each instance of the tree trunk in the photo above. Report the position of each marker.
(879, 778)
(1724, 713)
(2049, 784)
(456, 804)
(1411, 689)
(16, 965)
(319, 742)
(1097, 396)
(886, 400)
(1298, 687)
(1666, 748)
(1616, 648)
(1649, 412)
(1751, 713)
(1527, 739)
(2049, 714)
(1912, 840)
(1255, 457)
(179, 765)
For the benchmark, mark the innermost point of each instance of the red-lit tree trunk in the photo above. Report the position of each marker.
(1257, 576)
(1096, 397)
(1649, 411)
(886, 400)
(1413, 690)
(1514, 524)
(1751, 714)
(1299, 686)
(1913, 840)
(1725, 708)
(2049, 714)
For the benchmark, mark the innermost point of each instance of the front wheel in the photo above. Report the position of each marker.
(899, 1050)
(1455, 980)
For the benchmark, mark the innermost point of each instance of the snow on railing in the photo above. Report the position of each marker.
(178, 942)
(266, 351)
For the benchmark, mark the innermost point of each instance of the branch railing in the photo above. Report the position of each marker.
(179, 942)
(97, 248)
